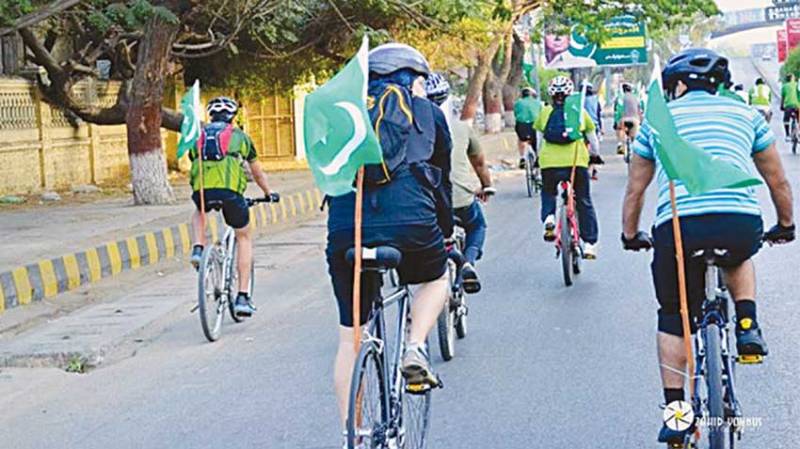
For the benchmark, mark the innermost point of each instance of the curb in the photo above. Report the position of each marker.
(23, 285)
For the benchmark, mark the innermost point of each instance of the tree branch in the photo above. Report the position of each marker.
(42, 14)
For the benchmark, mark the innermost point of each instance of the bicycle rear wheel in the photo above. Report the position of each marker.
(209, 294)
(415, 420)
(367, 416)
(566, 247)
(718, 426)
(445, 323)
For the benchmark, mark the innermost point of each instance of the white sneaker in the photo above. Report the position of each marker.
(590, 251)
(550, 228)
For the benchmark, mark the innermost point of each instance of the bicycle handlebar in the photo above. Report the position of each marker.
(272, 198)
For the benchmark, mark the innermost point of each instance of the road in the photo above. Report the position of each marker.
(543, 365)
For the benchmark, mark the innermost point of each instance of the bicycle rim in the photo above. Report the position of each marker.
(209, 296)
(367, 417)
(566, 247)
(717, 426)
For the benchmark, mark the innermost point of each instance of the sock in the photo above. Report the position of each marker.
(198, 246)
(786, 129)
(745, 308)
(244, 294)
(673, 394)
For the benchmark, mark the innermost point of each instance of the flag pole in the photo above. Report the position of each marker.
(682, 296)
(201, 169)
(357, 264)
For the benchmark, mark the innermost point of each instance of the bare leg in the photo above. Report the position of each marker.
(521, 147)
(671, 354)
(197, 229)
(343, 370)
(428, 302)
(741, 281)
(245, 257)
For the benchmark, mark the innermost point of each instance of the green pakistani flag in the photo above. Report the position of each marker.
(338, 133)
(573, 113)
(191, 126)
(684, 161)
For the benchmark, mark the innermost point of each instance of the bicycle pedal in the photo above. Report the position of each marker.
(418, 388)
(750, 359)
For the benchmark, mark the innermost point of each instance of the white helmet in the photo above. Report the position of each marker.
(560, 85)
(222, 108)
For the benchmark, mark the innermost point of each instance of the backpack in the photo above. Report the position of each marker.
(555, 131)
(215, 140)
(390, 111)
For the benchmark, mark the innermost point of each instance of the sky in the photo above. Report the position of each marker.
(733, 5)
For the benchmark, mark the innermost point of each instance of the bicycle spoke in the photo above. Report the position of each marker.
(416, 417)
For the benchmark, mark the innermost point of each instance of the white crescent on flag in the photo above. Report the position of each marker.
(359, 134)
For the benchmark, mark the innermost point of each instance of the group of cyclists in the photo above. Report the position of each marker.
(442, 174)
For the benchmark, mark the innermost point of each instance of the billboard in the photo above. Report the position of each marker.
(792, 33)
(782, 45)
(627, 45)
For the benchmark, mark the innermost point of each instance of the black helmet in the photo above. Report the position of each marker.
(696, 67)
(387, 58)
(759, 81)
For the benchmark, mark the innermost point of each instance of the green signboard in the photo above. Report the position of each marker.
(627, 45)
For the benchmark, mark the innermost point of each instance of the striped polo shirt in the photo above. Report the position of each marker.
(724, 127)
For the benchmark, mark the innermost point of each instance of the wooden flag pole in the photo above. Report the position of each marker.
(357, 264)
(202, 199)
(684, 302)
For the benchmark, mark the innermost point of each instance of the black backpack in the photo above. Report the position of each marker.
(555, 131)
(390, 111)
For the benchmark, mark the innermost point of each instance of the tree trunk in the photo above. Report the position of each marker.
(511, 87)
(143, 118)
(478, 79)
(493, 103)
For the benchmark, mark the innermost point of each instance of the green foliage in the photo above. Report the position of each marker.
(792, 63)
(10, 11)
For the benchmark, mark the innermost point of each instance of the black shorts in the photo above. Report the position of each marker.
(234, 207)
(424, 260)
(525, 132)
(740, 234)
(788, 113)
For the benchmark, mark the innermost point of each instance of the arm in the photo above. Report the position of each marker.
(640, 176)
(259, 176)
(768, 163)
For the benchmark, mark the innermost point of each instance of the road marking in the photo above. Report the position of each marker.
(95, 269)
(73, 273)
(274, 209)
(49, 282)
(23, 285)
(310, 201)
(283, 210)
(2, 300)
(114, 258)
(262, 210)
(293, 206)
(212, 224)
(183, 229)
(169, 242)
(152, 248)
(133, 252)
(319, 197)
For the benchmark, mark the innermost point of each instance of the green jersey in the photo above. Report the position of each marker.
(760, 95)
(227, 173)
(789, 95)
(526, 109)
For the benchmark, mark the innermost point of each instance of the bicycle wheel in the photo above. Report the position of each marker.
(718, 427)
(445, 323)
(415, 420)
(367, 415)
(233, 287)
(794, 144)
(566, 246)
(461, 320)
(529, 180)
(209, 294)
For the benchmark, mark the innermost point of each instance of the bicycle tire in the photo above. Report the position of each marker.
(234, 286)
(529, 176)
(794, 146)
(367, 392)
(566, 247)
(415, 419)
(209, 277)
(717, 426)
(446, 329)
(461, 321)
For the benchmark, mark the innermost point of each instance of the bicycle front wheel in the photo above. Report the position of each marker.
(416, 419)
(718, 426)
(209, 294)
(367, 415)
(445, 323)
(566, 247)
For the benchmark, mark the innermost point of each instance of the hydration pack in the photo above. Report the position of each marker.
(390, 111)
(215, 140)
(555, 131)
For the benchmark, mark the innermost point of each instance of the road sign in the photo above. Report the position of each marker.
(792, 33)
(626, 45)
(783, 12)
(782, 50)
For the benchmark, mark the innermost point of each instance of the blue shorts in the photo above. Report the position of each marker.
(740, 234)
(234, 207)
(424, 260)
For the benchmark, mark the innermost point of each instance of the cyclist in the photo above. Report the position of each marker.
(557, 155)
(470, 177)
(403, 212)
(760, 97)
(789, 104)
(526, 109)
(724, 218)
(225, 148)
(630, 107)
(595, 111)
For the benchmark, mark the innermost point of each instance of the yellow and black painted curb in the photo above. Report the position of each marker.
(47, 278)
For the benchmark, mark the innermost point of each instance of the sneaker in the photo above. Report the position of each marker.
(620, 149)
(416, 368)
(471, 282)
(550, 228)
(197, 256)
(242, 307)
(788, 138)
(522, 163)
(674, 438)
(749, 340)
(590, 251)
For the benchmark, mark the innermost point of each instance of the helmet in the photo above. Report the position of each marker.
(738, 87)
(387, 58)
(222, 109)
(528, 92)
(437, 88)
(626, 87)
(696, 65)
(759, 81)
(560, 85)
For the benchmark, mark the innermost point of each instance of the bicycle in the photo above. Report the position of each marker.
(384, 412)
(567, 241)
(218, 276)
(533, 177)
(452, 322)
(793, 131)
(714, 361)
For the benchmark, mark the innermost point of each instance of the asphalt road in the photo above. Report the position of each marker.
(543, 365)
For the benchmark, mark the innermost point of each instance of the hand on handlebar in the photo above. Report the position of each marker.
(779, 234)
(641, 241)
(484, 193)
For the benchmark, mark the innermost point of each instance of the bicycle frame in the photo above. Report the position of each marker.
(567, 194)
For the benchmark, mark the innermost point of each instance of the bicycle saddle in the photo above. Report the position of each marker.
(378, 258)
(711, 254)
(214, 204)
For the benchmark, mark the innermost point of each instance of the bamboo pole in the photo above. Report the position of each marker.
(684, 302)
(357, 264)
